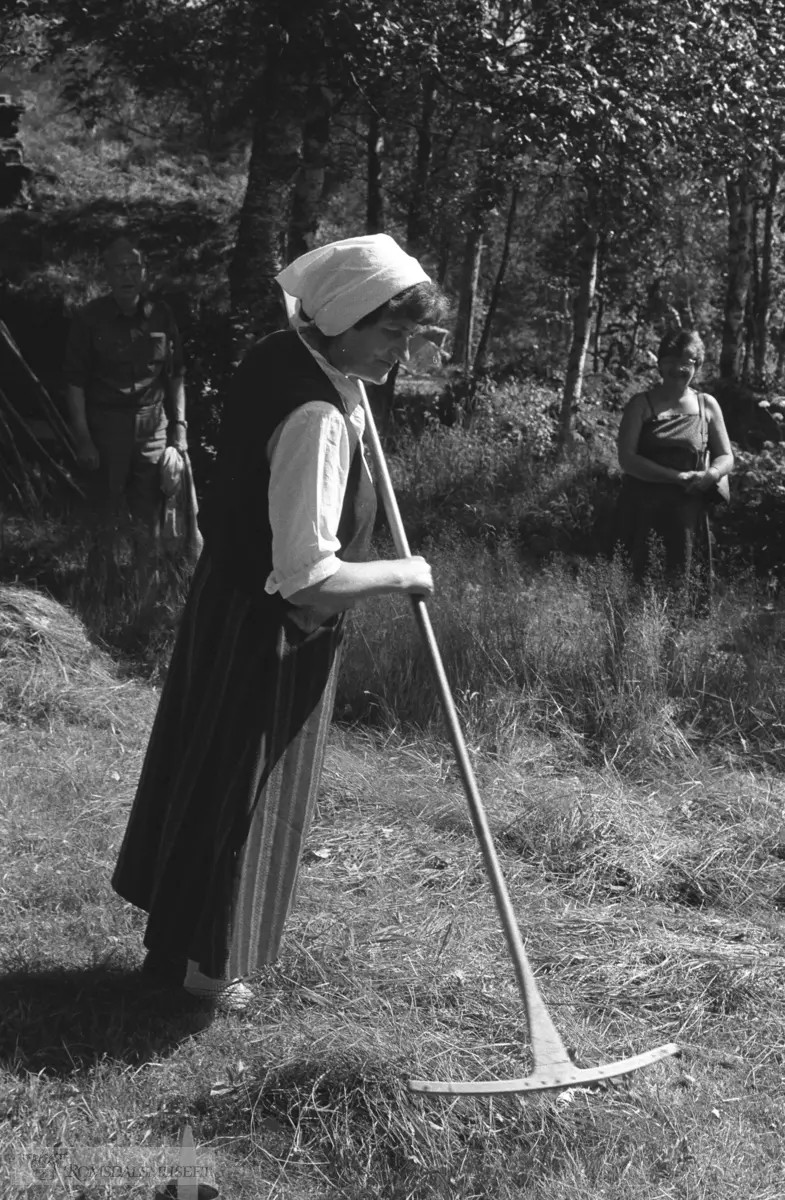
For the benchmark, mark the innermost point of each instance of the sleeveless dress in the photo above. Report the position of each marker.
(229, 781)
(649, 509)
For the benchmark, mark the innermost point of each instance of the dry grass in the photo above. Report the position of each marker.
(114, 610)
(652, 912)
(49, 665)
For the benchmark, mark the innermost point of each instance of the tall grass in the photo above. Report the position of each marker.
(571, 655)
(607, 671)
(542, 643)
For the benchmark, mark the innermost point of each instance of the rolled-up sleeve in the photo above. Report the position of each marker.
(78, 353)
(309, 469)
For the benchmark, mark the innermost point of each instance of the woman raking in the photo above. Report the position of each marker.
(232, 769)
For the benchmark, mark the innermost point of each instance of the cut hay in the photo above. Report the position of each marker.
(48, 666)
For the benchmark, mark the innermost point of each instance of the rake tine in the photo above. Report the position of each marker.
(553, 1067)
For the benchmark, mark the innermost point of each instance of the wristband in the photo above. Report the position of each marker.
(183, 423)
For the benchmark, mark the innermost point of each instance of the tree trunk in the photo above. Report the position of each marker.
(686, 314)
(749, 327)
(381, 395)
(493, 303)
(740, 207)
(583, 310)
(417, 223)
(374, 220)
(445, 252)
(309, 181)
(753, 299)
(259, 251)
(598, 332)
(762, 301)
(467, 300)
(632, 349)
(779, 342)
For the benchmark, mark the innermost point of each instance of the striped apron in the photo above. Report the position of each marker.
(229, 781)
(232, 769)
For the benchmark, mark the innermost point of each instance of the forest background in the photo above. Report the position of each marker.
(579, 178)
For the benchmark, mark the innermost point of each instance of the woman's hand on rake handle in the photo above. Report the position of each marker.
(417, 578)
(354, 582)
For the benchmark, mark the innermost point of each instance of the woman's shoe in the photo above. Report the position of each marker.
(237, 998)
(227, 995)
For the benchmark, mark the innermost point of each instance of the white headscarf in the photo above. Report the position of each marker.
(338, 284)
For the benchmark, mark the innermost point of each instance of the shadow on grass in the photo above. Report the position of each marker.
(58, 1021)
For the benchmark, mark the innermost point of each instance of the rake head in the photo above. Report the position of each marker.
(553, 1066)
(546, 1076)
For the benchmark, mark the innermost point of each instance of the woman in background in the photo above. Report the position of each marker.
(229, 782)
(673, 449)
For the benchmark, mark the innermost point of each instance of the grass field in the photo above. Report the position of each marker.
(651, 910)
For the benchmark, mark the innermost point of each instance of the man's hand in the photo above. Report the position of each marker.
(177, 436)
(86, 453)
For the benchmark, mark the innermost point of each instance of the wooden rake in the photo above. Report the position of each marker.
(553, 1067)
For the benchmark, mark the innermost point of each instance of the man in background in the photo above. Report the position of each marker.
(126, 400)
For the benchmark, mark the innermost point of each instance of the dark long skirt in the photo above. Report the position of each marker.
(664, 512)
(229, 781)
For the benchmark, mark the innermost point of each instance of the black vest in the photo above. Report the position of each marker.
(278, 375)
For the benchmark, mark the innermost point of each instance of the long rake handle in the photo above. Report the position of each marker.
(546, 1042)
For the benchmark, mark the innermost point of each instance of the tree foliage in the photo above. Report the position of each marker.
(639, 140)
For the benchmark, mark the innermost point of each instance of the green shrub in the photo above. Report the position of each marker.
(494, 480)
(752, 526)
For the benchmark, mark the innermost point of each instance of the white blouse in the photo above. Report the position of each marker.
(309, 456)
